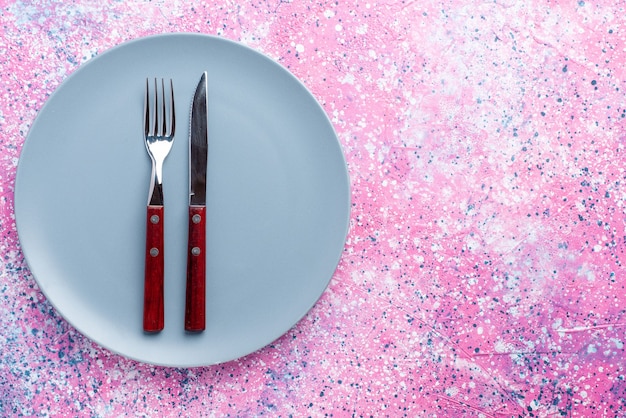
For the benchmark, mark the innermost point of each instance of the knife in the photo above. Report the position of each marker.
(195, 305)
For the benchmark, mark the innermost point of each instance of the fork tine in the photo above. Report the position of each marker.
(164, 125)
(146, 109)
(172, 113)
(156, 109)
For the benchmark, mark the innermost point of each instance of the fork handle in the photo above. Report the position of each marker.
(195, 301)
(153, 310)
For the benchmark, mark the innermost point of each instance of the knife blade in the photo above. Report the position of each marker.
(195, 300)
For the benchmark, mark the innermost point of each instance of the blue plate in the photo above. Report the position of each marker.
(278, 200)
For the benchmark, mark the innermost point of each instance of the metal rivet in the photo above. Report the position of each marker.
(154, 251)
(154, 219)
(195, 251)
(196, 219)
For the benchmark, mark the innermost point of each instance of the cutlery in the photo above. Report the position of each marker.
(159, 126)
(195, 305)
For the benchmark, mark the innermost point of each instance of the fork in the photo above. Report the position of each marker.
(159, 126)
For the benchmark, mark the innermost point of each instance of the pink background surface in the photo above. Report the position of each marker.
(483, 274)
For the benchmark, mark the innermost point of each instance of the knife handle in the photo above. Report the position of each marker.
(195, 303)
(153, 315)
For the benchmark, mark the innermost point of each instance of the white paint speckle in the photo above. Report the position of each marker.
(501, 347)
(451, 391)
(347, 79)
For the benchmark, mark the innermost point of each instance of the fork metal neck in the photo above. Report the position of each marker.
(156, 193)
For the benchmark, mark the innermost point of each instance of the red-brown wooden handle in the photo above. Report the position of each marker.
(195, 302)
(153, 311)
